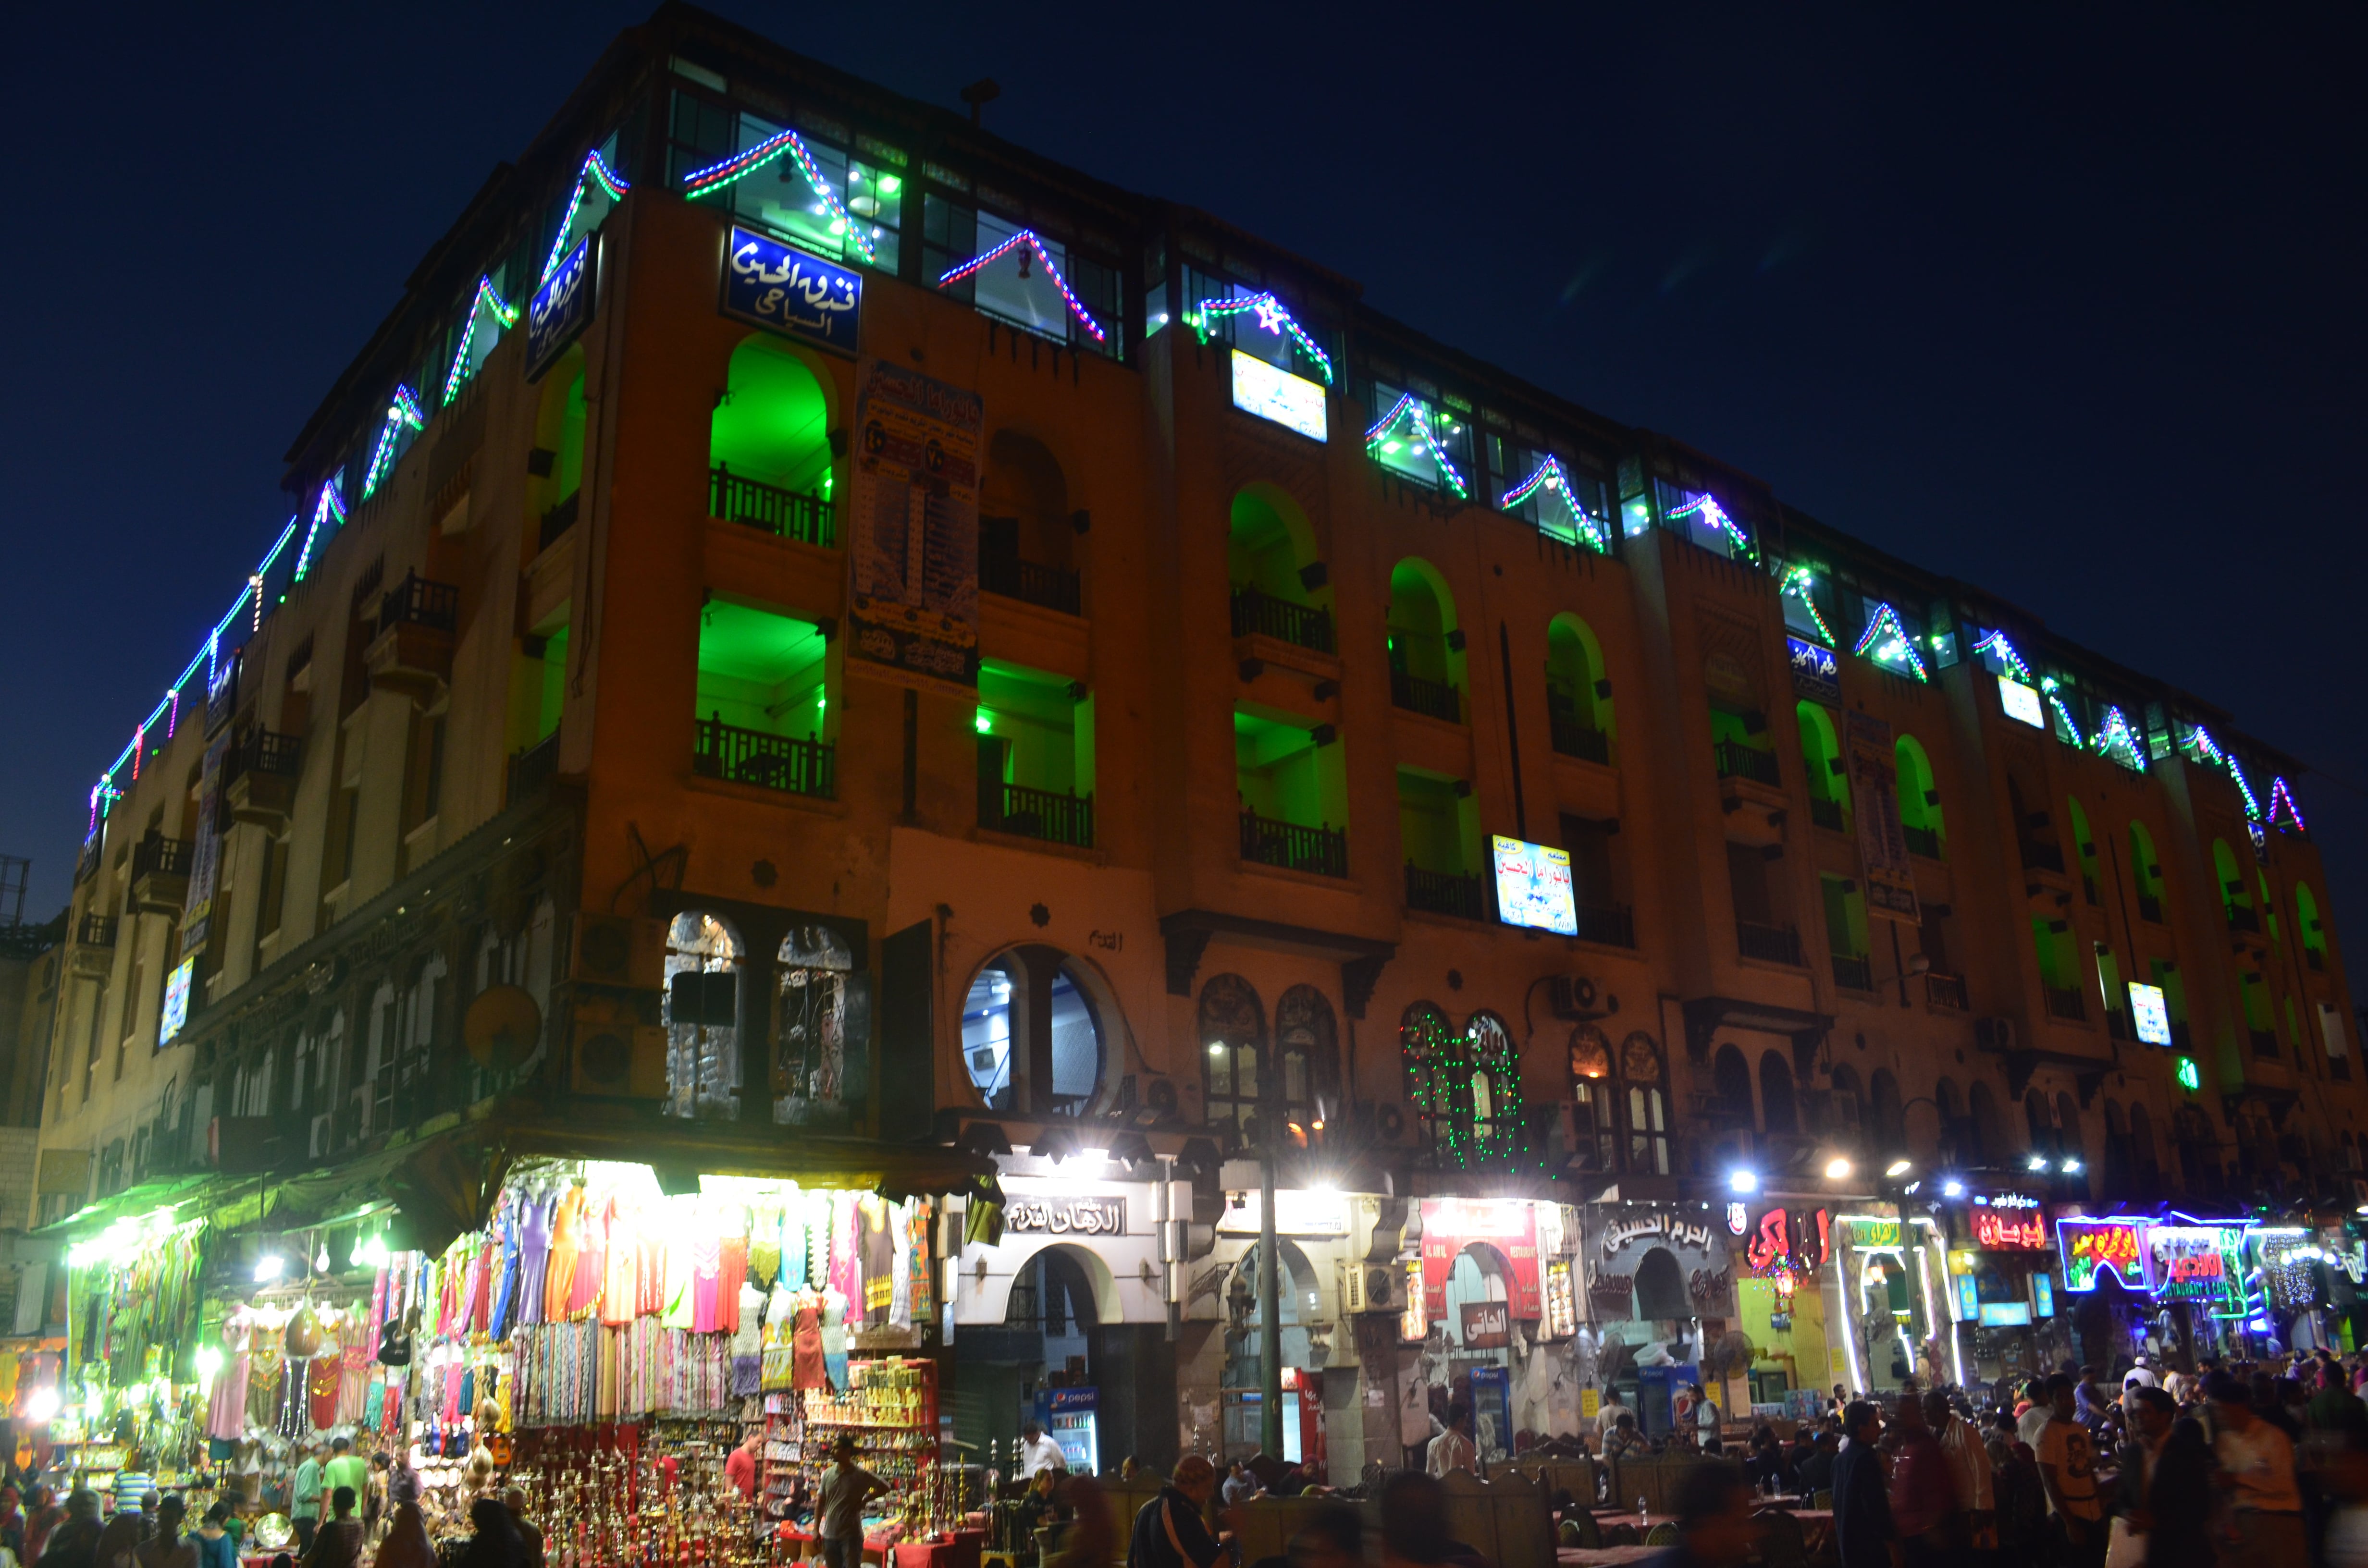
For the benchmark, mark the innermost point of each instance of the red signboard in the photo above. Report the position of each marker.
(2016, 1229)
(1508, 1226)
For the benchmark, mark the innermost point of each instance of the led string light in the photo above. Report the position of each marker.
(1550, 476)
(103, 794)
(402, 410)
(1800, 583)
(715, 177)
(1028, 236)
(1424, 440)
(1272, 315)
(608, 181)
(1714, 515)
(331, 507)
(2114, 738)
(2049, 686)
(2206, 749)
(491, 303)
(2282, 799)
(1895, 644)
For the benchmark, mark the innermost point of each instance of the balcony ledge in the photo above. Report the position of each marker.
(816, 805)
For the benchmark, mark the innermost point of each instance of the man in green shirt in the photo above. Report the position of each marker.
(304, 1500)
(346, 1468)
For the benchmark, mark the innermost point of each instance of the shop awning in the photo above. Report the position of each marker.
(780, 1153)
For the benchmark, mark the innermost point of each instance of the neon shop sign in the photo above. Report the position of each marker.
(2095, 1247)
(1790, 1241)
(2009, 1222)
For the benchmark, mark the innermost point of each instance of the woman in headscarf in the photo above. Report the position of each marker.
(216, 1548)
(496, 1543)
(406, 1544)
(118, 1540)
(41, 1516)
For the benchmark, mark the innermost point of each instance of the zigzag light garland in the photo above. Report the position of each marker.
(331, 508)
(1551, 477)
(1424, 440)
(609, 182)
(402, 410)
(1272, 315)
(2281, 800)
(1027, 237)
(1895, 645)
(2114, 738)
(491, 303)
(1714, 515)
(2048, 686)
(715, 177)
(2206, 749)
(1800, 583)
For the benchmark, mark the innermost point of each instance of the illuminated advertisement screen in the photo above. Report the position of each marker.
(176, 1001)
(1533, 886)
(2005, 1315)
(1292, 402)
(2021, 702)
(2150, 1013)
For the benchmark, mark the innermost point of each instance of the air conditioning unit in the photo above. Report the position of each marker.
(1368, 1287)
(615, 1055)
(616, 950)
(1573, 997)
(1994, 1034)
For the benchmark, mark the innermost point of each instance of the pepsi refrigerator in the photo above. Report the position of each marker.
(1071, 1418)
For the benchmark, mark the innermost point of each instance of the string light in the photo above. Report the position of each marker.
(1714, 515)
(1027, 237)
(330, 508)
(1424, 440)
(489, 301)
(2208, 750)
(715, 177)
(402, 411)
(2115, 739)
(172, 718)
(1272, 315)
(1550, 476)
(2282, 799)
(1801, 584)
(2049, 686)
(608, 181)
(1890, 641)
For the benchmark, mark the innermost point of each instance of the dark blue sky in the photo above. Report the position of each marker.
(2066, 304)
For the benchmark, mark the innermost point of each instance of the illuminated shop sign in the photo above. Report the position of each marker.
(2095, 1247)
(2196, 1263)
(2007, 1222)
(2005, 1315)
(2021, 702)
(1794, 1240)
(176, 1001)
(1067, 1216)
(1292, 402)
(801, 296)
(2151, 1013)
(1817, 674)
(560, 308)
(1533, 886)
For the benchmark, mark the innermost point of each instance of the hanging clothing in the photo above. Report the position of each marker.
(806, 1367)
(818, 1213)
(706, 1260)
(534, 1255)
(677, 1296)
(505, 1270)
(323, 1374)
(876, 1253)
(226, 1410)
(566, 1234)
(591, 1262)
(620, 1284)
(845, 1270)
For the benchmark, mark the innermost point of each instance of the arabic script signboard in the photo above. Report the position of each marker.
(791, 292)
(561, 307)
(2094, 1246)
(1067, 1216)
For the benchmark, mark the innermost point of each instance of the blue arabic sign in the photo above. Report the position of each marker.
(560, 308)
(770, 284)
(1817, 674)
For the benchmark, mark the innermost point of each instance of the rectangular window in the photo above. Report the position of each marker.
(811, 189)
(1551, 492)
(1411, 436)
(1278, 335)
(1699, 517)
(1017, 275)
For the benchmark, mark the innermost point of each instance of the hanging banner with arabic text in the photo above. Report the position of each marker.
(205, 853)
(913, 529)
(767, 283)
(1887, 874)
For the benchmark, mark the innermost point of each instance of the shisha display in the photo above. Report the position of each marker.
(626, 1497)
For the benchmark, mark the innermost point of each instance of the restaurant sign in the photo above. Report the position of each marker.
(2009, 1222)
(2091, 1247)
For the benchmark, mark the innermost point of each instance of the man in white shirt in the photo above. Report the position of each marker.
(2140, 1376)
(2256, 1471)
(1454, 1449)
(1038, 1451)
(1969, 1469)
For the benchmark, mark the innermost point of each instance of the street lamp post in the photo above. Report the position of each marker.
(1270, 1298)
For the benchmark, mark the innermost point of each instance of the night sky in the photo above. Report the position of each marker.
(2067, 306)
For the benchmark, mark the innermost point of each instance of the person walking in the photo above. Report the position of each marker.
(838, 1506)
(2067, 1467)
(304, 1499)
(1971, 1479)
(1923, 1499)
(216, 1548)
(2256, 1472)
(2165, 1497)
(1862, 1524)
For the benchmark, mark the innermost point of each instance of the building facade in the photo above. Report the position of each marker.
(810, 618)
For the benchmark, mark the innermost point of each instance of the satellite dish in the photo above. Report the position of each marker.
(501, 1027)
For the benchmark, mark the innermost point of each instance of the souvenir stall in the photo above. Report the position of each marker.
(606, 1344)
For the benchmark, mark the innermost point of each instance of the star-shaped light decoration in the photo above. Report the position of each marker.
(1270, 314)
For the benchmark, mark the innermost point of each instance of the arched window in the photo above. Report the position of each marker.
(1233, 1054)
(1821, 754)
(1308, 1052)
(1594, 1116)
(1890, 1128)
(2084, 845)
(2041, 1124)
(819, 1024)
(1024, 516)
(1578, 695)
(1776, 1102)
(1649, 1136)
(1279, 584)
(2314, 935)
(1425, 648)
(2236, 903)
(1730, 1085)
(1489, 1118)
(768, 445)
(701, 1013)
(1920, 800)
(2145, 870)
(1033, 1038)
(1990, 1132)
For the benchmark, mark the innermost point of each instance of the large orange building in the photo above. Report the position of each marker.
(1080, 686)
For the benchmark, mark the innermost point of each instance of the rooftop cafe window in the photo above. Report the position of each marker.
(1413, 435)
(1698, 516)
(1556, 496)
(1017, 275)
(806, 187)
(1260, 324)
